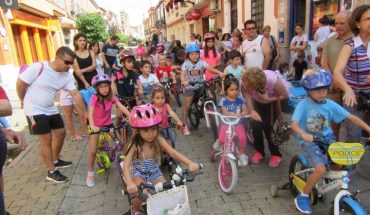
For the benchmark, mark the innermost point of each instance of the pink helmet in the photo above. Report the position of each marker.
(100, 78)
(209, 36)
(145, 116)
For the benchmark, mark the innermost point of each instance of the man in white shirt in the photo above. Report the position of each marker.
(37, 87)
(255, 48)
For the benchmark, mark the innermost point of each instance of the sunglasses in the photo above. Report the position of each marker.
(66, 62)
(249, 29)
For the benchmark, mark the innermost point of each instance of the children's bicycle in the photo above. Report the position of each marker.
(347, 154)
(166, 198)
(227, 168)
(106, 153)
(174, 90)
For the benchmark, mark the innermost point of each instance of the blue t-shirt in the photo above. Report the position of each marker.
(314, 118)
(232, 106)
(237, 73)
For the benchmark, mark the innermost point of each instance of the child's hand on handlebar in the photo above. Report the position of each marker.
(95, 129)
(307, 137)
(193, 167)
(131, 188)
(180, 124)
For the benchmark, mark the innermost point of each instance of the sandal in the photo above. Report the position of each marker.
(76, 138)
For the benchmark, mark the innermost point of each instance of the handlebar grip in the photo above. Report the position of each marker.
(201, 165)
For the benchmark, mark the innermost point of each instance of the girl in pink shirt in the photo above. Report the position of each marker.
(100, 109)
(210, 55)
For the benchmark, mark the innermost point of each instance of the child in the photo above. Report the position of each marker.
(312, 117)
(140, 51)
(153, 53)
(159, 101)
(227, 45)
(147, 79)
(100, 109)
(125, 80)
(233, 105)
(163, 72)
(284, 70)
(143, 154)
(192, 78)
(235, 58)
(299, 65)
(210, 55)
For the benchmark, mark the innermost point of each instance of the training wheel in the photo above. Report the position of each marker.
(274, 190)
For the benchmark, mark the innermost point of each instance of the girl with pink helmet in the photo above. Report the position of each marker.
(143, 153)
(99, 113)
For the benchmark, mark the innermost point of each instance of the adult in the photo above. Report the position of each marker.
(330, 55)
(262, 89)
(352, 70)
(109, 53)
(255, 49)
(193, 39)
(6, 135)
(298, 43)
(94, 47)
(166, 44)
(266, 30)
(37, 94)
(84, 66)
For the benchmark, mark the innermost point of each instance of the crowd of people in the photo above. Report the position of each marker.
(258, 81)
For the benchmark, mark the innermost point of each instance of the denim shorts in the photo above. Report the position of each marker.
(314, 154)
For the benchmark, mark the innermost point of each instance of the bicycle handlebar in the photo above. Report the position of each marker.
(229, 120)
(109, 129)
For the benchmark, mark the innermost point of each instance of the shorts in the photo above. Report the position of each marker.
(43, 124)
(314, 154)
(147, 170)
(189, 92)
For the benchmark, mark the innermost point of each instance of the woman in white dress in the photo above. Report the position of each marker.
(94, 46)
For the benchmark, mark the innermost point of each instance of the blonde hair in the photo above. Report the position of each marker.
(266, 27)
(254, 77)
(310, 72)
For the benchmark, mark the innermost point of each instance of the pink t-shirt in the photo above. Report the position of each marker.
(164, 113)
(211, 61)
(102, 113)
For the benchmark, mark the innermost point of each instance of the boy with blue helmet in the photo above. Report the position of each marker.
(312, 117)
(192, 78)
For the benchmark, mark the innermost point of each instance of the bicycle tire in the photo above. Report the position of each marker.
(102, 159)
(354, 208)
(294, 166)
(212, 123)
(194, 117)
(176, 94)
(227, 185)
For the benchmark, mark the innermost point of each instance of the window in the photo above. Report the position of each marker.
(234, 14)
(257, 13)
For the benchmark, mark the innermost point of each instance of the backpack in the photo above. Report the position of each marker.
(23, 68)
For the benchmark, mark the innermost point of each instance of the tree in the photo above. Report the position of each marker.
(122, 38)
(92, 24)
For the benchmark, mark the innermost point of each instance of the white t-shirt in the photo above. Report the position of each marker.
(322, 34)
(42, 90)
(298, 40)
(252, 51)
(99, 64)
(148, 83)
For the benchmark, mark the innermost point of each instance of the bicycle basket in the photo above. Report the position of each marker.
(168, 200)
(346, 153)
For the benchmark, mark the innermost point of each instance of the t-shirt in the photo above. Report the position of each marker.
(232, 106)
(110, 53)
(210, 60)
(163, 73)
(298, 40)
(332, 49)
(125, 85)
(299, 68)
(227, 44)
(99, 65)
(315, 118)
(148, 83)
(194, 73)
(42, 90)
(102, 112)
(252, 51)
(237, 73)
(3, 94)
(322, 33)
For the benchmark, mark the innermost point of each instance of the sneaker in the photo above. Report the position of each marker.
(257, 157)
(217, 146)
(63, 164)
(243, 160)
(275, 161)
(185, 130)
(302, 203)
(76, 138)
(90, 181)
(56, 177)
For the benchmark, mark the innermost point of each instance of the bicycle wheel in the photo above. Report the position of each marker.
(212, 122)
(349, 206)
(194, 117)
(103, 161)
(176, 94)
(227, 174)
(249, 132)
(295, 166)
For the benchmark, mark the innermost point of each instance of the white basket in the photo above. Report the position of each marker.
(158, 203)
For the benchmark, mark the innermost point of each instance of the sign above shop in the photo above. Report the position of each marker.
(8, 4)
(196, 14)
(188, 16)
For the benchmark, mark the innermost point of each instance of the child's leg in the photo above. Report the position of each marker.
(315, 177)
(93, 141)
(240, 132)
(188, 99)
(222, 134)
(171, 135)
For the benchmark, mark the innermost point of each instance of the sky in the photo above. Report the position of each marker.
(135, 8)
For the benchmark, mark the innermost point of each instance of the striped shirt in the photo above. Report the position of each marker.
(358, 66)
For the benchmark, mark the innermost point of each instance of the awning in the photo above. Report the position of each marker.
(67, 22)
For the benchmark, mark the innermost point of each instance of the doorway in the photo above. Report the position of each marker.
(297, 14)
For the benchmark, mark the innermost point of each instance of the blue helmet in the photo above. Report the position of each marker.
(320, 79)
(192, 48)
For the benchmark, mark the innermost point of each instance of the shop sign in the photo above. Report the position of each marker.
(196, 14)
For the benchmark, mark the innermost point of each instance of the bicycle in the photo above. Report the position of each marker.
(199, 99)
(106, 154)
(347, 154)
(227, 168)
(174, 90)
(165, 198)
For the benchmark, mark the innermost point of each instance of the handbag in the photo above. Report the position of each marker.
(280, 132)
(363, 102)
(87, 94)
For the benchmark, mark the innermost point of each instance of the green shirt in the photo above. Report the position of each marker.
(332, 49)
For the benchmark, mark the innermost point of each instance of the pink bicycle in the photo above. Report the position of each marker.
(227, 168)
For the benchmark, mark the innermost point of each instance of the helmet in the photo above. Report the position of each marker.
(100, 78)
(160, 48)
(192, 48)
(320, 79)
(209, 36)
(145, 116)
(127, 54)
